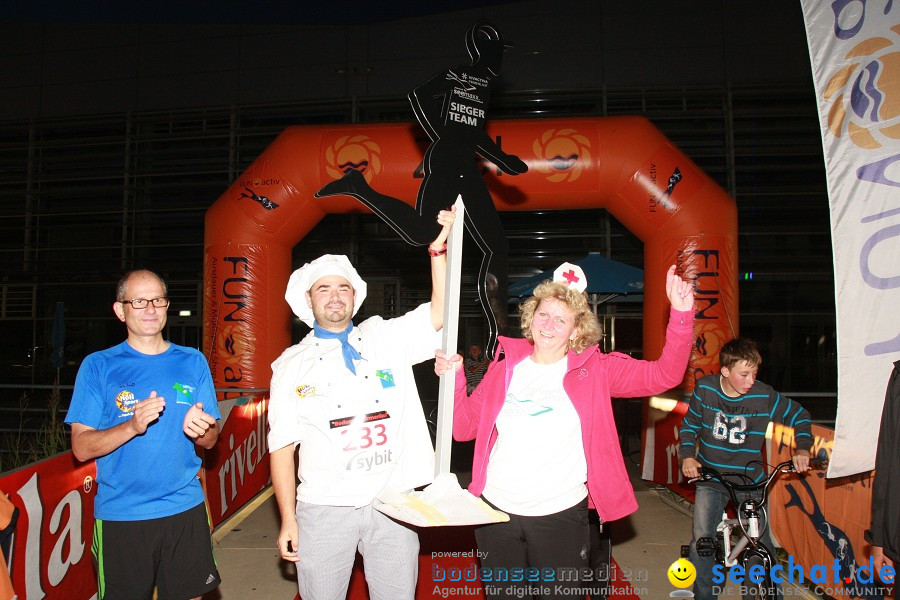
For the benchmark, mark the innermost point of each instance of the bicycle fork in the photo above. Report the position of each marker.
(730, 553)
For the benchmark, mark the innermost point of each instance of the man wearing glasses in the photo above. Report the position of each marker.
(140, 409)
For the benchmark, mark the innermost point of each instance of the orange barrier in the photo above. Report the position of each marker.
(821, 523)
(623, 164)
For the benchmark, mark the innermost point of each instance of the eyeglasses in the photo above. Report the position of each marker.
(139, 303)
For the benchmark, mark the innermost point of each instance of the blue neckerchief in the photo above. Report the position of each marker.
(350, 353)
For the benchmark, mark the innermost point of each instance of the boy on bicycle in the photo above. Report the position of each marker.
(725, 428)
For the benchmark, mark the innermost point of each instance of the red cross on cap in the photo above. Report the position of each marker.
(571, 275)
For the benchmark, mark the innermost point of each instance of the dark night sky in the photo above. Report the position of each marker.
(255, 12)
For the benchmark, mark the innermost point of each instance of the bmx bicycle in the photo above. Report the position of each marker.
(739, 540)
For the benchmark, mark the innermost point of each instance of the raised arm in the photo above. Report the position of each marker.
(427, 102)
(438, 251)
(629, 378)
(679, 292)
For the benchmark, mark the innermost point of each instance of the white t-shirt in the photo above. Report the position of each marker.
(537, 466)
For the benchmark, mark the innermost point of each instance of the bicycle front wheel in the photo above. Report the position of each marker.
(765, 589)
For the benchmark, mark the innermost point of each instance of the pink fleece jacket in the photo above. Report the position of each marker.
(591, 379)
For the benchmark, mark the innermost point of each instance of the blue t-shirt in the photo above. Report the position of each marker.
(155, 474)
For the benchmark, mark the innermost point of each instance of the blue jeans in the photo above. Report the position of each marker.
(709, 504)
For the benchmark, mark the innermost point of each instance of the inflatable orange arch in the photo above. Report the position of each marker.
(622, 164)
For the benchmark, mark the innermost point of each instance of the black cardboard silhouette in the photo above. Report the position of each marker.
(451, 107)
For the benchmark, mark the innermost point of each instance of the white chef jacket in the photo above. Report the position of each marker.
(358, 434)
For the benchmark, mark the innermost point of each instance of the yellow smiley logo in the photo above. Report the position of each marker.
(682, 573)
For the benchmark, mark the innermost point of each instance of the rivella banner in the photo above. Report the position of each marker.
(237, 467)
(855, 53)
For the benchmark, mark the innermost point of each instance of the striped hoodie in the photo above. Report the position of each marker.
(727, 433)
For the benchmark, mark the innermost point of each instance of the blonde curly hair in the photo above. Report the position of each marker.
(587, 328)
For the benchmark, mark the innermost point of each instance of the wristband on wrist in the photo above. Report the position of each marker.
(439, 252)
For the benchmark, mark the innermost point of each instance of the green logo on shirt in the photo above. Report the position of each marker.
(526, 407)
(386, 378)
(185, 393)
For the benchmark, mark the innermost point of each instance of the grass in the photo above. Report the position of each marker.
(25, 445)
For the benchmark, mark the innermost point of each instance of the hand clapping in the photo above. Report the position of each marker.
(197, 422)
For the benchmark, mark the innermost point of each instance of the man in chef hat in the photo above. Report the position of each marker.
(347, 397)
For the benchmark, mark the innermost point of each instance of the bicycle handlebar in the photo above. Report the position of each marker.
(711, 474)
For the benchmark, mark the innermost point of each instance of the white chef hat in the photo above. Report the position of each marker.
(303, 279)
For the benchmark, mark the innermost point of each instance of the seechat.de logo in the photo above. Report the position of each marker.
(864, 95)
(353, 153)
(562, 154)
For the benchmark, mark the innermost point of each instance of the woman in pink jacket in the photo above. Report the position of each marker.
(546, 445)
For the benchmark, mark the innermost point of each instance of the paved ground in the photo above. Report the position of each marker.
(248, 561)
(644, 545)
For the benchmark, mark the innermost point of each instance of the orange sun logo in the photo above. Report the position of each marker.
(865, 104)
(562, 153)
(234, 342)
(708, 341)
(357, 153)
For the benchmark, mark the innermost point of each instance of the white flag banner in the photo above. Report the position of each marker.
(855, 51)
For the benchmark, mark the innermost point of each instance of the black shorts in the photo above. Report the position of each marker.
(174, 554)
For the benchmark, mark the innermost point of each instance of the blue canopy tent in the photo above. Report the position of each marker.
(606, 279)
